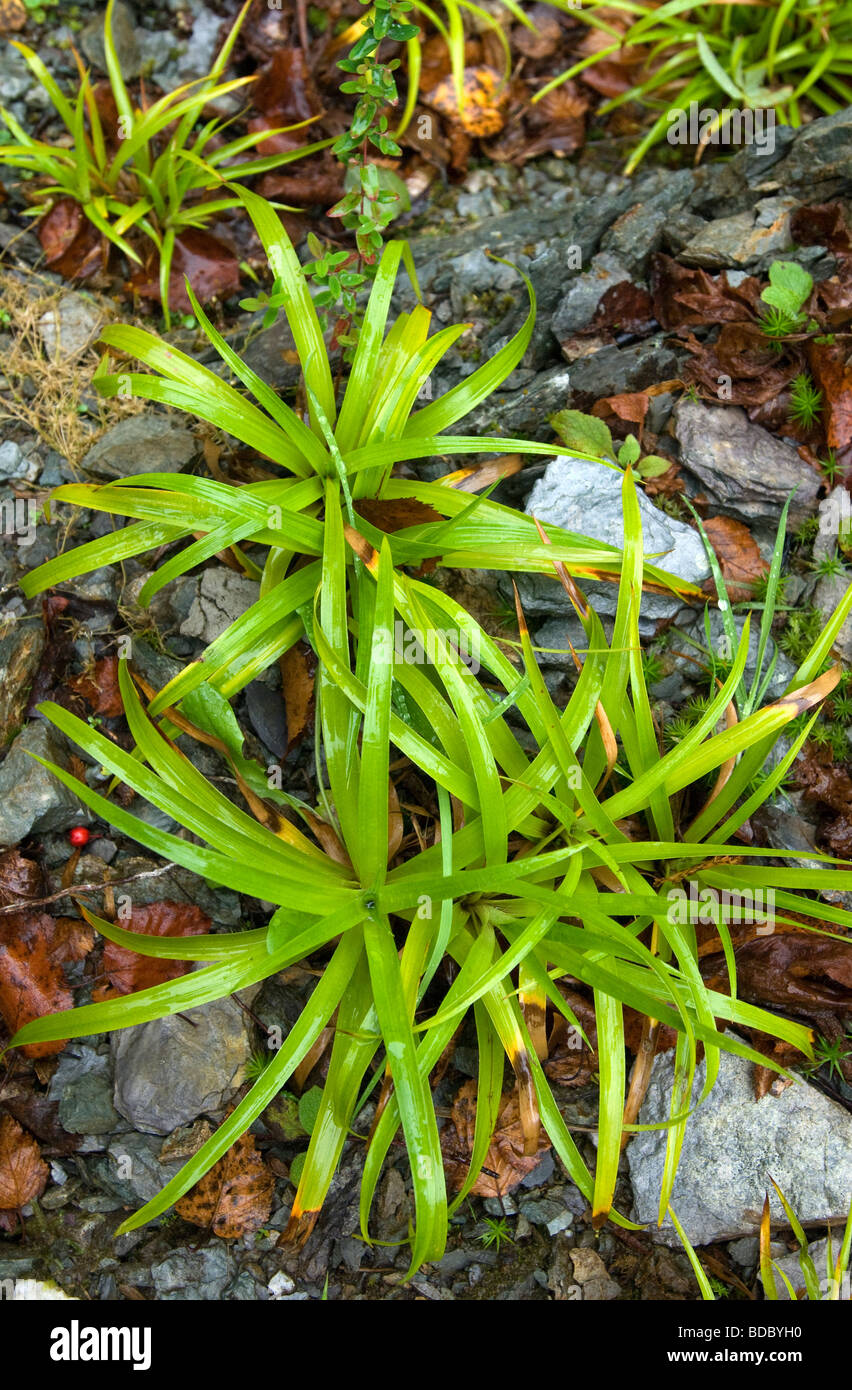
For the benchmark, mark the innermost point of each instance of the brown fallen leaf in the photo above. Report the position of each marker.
(832, 371)
(13, 16)
(298, 679)
(285, 93)
(395, 514)
(127, 971)
(798, 972)
(684, 296)
(739, 557)
(623, 308)
(505, 1164)
(632, 407)
(99, 688)
(483, 97)
(33, 949)
(23, 1172)
(235, 1197)
(72, 245)
(211, 268)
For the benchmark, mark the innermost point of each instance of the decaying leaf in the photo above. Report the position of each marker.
(505, 1164)
(737, 552)
(33, 949)
(212, 270)
(13, 16)
(684, 296)
(23, 1172)
(298, 678)
(235, 1197)
(99, 688)
(126, 971)
(796, 972)
(832, 371)
(72, 245)
(829, 786)
(395, 514)
(481, 109)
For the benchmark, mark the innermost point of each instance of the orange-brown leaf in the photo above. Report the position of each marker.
(298, 677)
(127, 971)
(235, 1197)
(739, 557)
(23, 1172)
(99, 688)
(33, 949)
(483, 96)
(506, 1164)
(395, 513)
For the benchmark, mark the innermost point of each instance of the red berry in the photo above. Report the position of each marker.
(79, 835)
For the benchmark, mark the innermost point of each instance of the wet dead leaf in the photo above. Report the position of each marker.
(395, 514)
(483, 96)
(13, 16)
(739, 557)
(99, 688)
(506, 1164)
(832, 371)
(126, 971)
(211, 268)
(298, 677)
(33, 949)
(796, 972)
(284, 91)
(235, 1197)
(71, 244)
(684, 296)
(23, 1172)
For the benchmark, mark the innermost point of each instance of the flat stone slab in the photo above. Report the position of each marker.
(733, 1145)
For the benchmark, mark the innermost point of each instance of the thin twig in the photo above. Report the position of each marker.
(69, 892)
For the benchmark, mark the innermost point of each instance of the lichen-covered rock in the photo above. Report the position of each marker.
(734, 1144)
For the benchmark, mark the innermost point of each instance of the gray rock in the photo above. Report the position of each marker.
(693, 625)
(15, 465)
(614, 370)
(827, 594)
(733, 1145)
(585, 497)
(819, 162)
(223, 596)
(124, 38)
(16, 80)
(202, 47)
(147, 443)
(170, 1071)
(638, 233)
(585, 292)
(83, 1087)
(193, 1275)
(742, 468)
(68, 327)
(474, 273)
(131, 1168)
(552, 638)
(21, 648)
(31, 798)
(547, 1212)
(745, 241)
